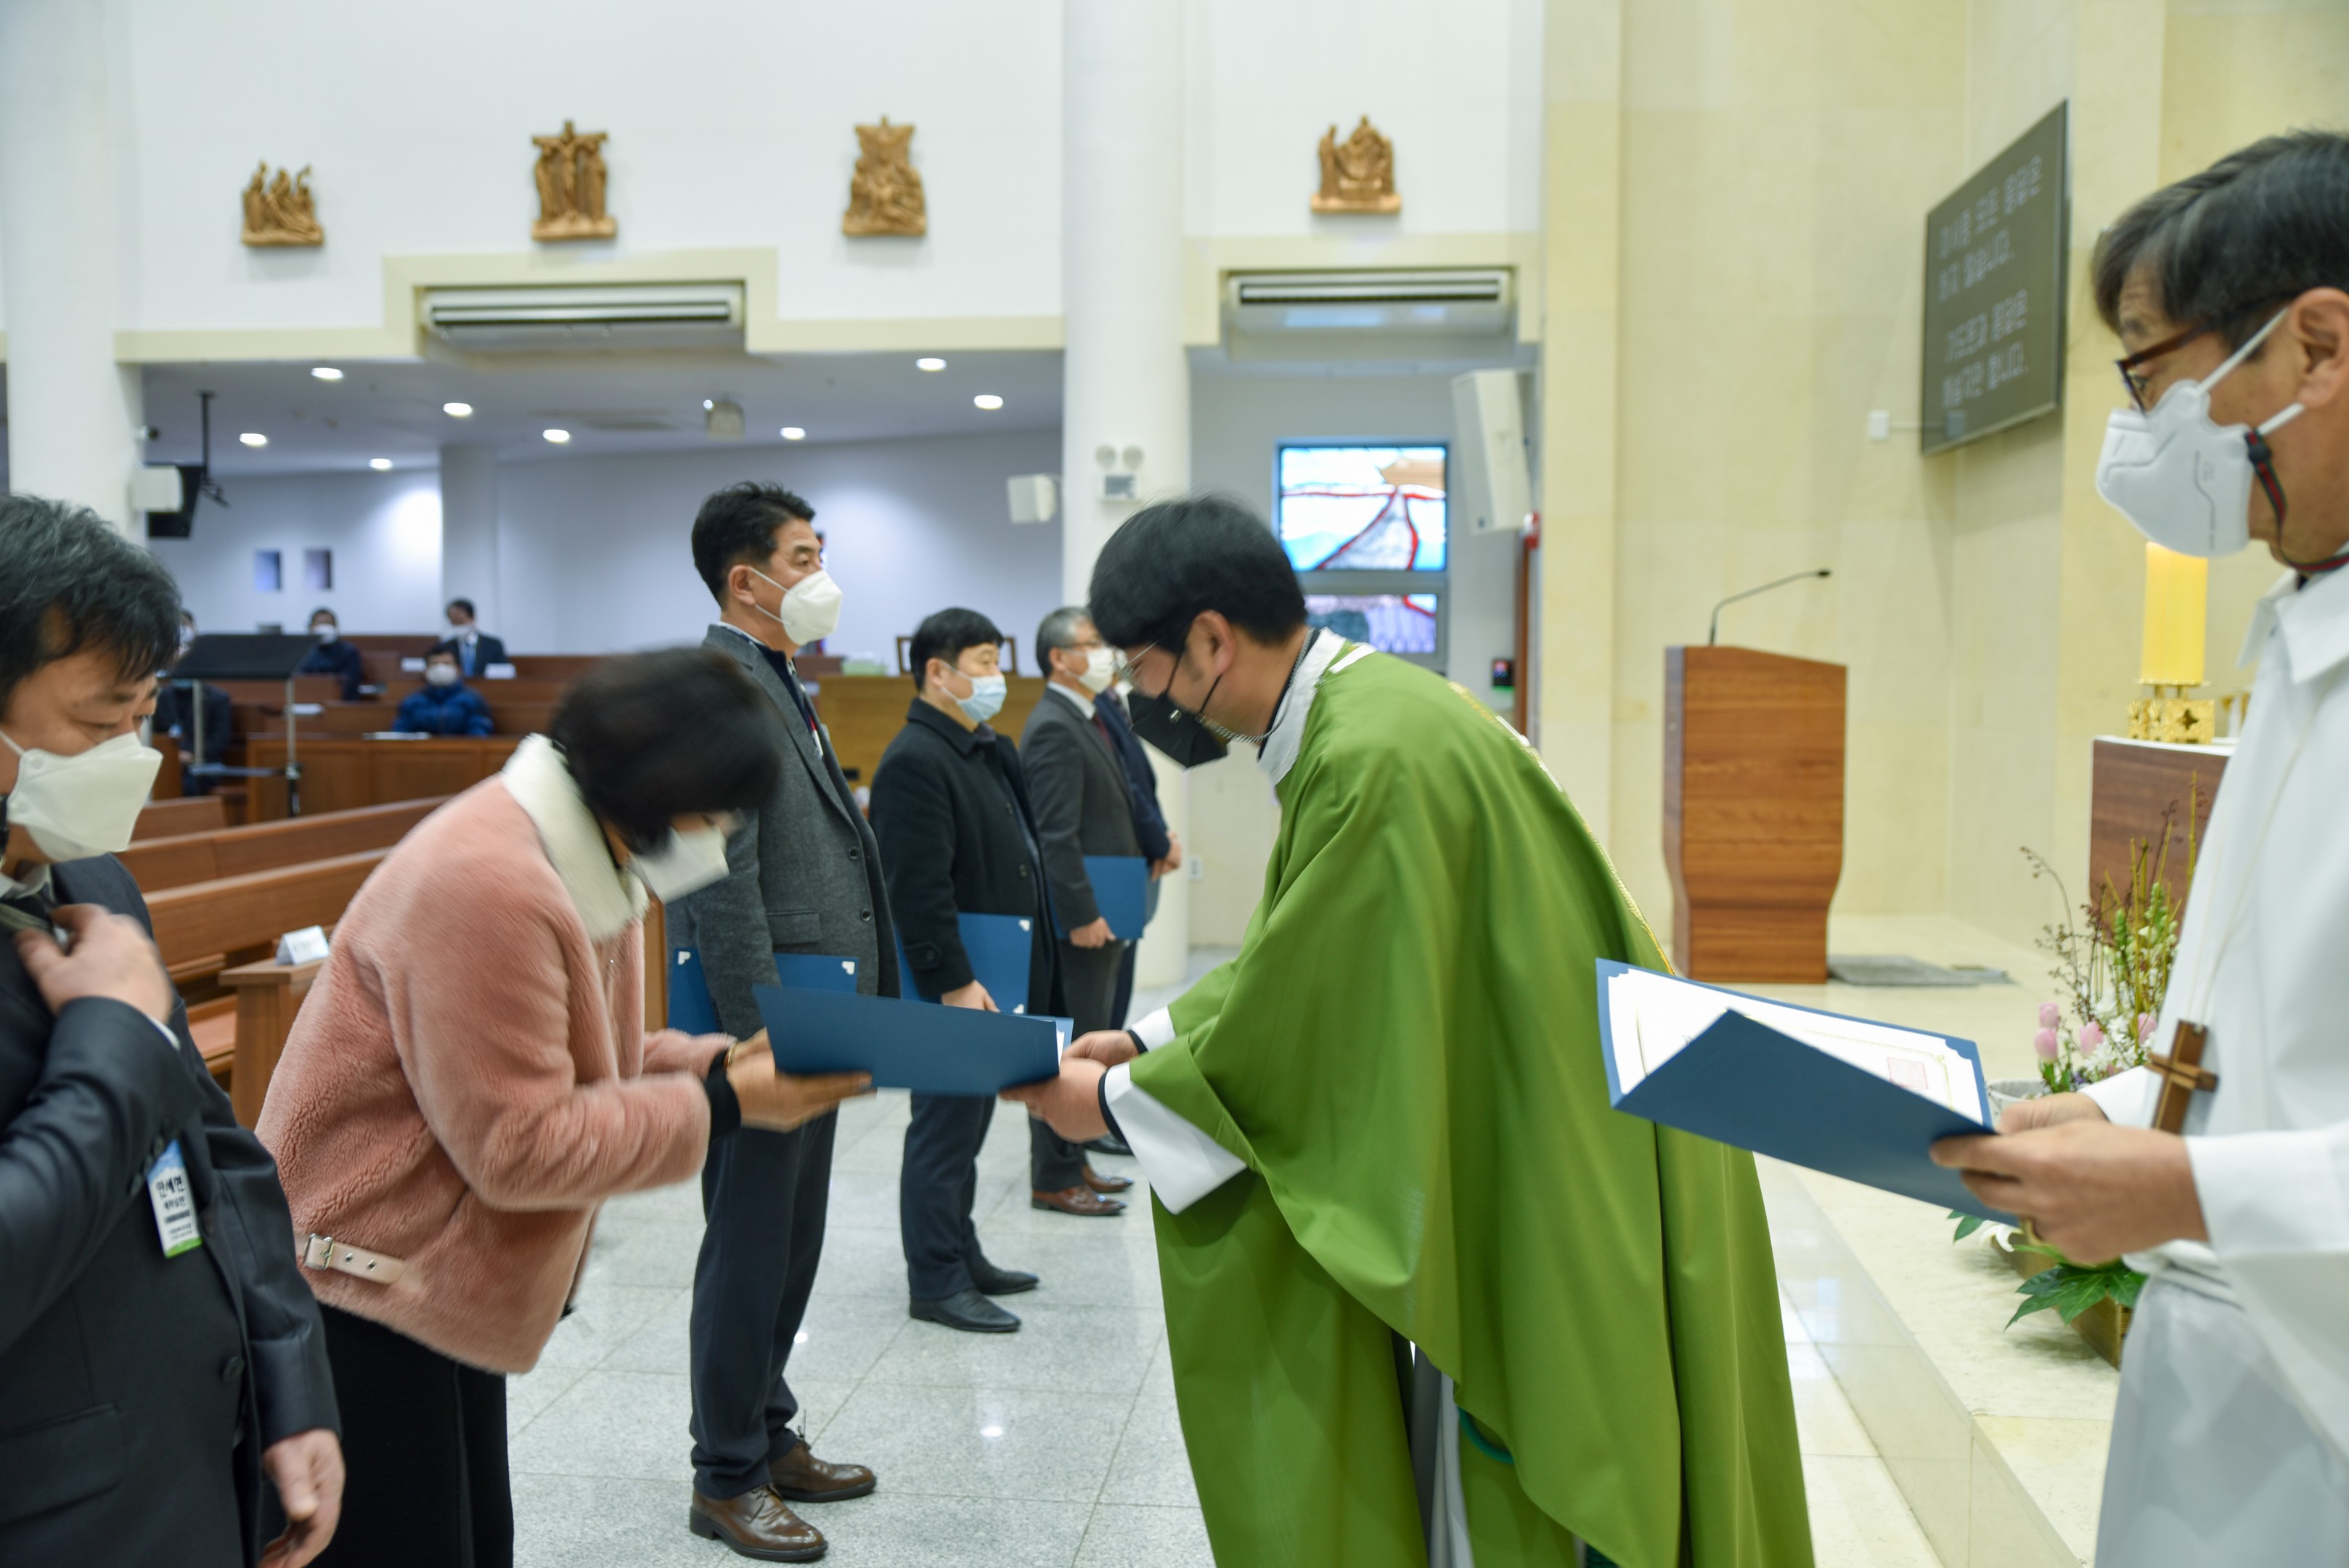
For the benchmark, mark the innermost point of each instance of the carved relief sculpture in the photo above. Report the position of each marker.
(1357, 173)
(570, 187)
(278, 212)
(885, 194)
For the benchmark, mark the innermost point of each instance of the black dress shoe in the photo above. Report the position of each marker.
(994, 1282)
(1109, 1143)
(968, 1311)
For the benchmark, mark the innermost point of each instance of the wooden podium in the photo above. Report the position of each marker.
(1752, 810)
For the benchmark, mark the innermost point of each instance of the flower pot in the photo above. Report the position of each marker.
(2104, 1326)
(2004, 1092)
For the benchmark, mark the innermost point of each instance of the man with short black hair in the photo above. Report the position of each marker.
(1385, 1121)
(2223, 1170)
(957, 838)
(804, 876)
(333, 656)
(160, 1356)
(476, 649)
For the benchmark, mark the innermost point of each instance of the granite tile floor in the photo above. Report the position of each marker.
(1057, 1447)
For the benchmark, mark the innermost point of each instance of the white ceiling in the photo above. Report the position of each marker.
(610, 404)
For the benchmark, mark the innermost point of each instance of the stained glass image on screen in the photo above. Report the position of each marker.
(1392, 623)
(1362, 508)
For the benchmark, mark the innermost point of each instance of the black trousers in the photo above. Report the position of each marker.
(1123, 1002)
(424, 1454)
(935, 1190)
(1089, 985)
(763, 1195)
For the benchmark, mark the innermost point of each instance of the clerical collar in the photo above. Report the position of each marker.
(1081, 700)
(1278, 752)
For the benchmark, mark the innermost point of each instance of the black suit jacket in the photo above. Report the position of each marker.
(1149, 819)
(486, 651)
(137, 1391)
(336, 657)
(1083, 804)
(948, 807)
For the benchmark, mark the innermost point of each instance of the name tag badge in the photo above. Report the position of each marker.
(174, 1202)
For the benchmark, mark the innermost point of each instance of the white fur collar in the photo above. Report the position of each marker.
(608, 899)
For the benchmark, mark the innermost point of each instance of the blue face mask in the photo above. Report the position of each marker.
(986, 699)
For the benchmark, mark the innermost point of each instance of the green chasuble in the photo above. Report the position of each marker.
(1405, 1055)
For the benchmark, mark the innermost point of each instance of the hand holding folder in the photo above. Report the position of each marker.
(1857, 1099)
(914, 1045)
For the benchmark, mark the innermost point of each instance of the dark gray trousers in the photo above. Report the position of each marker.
(936, 1187)
(763, 1195)
(1088, 985)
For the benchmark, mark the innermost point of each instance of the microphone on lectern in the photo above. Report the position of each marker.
(1713, 636)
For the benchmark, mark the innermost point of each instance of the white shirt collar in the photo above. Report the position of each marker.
(1079, 700)
(1278, 752)
(36, 879)
(2311, 620)
(607, 898)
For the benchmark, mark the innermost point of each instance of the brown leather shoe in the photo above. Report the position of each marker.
(1100, 1183)
(756, 1524)
(1079, 1199)
(800, 1477)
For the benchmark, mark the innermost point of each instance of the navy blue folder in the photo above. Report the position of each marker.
(1752, 1086)
(1121, 890)
(690, 1009)
(906, 1044)
(998, 948)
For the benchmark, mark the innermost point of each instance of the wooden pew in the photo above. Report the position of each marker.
(340, 773)
(168, 818)
(161, 863)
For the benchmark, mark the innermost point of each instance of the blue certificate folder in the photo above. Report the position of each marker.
(690, 1009)
(1122, 890)
(906, 1044)
(999, 948)
(1746, 1083)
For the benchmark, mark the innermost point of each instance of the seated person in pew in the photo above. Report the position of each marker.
(476, 648)
(162, 1366)
(445, 705)
(176, 706)
(470, 1079)
(333, 656)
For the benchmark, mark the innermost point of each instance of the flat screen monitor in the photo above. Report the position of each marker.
(1392, 623)
(1361, 508)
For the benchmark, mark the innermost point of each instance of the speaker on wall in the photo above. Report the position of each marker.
(1491, 486)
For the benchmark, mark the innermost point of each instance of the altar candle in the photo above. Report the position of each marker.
(2177, 594)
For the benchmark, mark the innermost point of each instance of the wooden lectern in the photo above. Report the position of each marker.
(1752, 810)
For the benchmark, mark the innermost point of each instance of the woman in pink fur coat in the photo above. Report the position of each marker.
(469, 1078)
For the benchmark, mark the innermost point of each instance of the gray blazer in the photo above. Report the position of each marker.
(1082, 803)
(804, 873)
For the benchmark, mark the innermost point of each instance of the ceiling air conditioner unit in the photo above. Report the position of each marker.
(1476, 302)
(607, 316)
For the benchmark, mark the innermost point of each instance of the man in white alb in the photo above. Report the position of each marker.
(2231, 1442)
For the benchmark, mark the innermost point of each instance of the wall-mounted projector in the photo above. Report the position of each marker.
(1035, 497)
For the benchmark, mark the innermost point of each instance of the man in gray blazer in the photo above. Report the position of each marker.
(803, 877)
(1083, 806)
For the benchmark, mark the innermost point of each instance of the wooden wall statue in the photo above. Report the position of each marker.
(885, 194)
(278, 212)
(1357, 173)
(570, 187)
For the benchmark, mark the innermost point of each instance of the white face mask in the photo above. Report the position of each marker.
(440, 674)
(1100, 668)
(683, 863)
(986, 699)
(322, 633)
(2183, 481)
(84, 805)
(810, 608)
(461, 631)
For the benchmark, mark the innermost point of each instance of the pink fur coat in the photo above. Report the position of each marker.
(469, 1079)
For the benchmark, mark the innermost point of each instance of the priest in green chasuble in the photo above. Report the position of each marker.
(1430, 1300)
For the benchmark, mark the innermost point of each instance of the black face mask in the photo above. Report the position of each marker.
(1174, 731)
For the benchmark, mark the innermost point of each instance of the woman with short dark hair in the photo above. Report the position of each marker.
(470, 1079)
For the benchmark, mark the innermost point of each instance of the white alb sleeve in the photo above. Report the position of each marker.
(1157, 1030)
(2126, 1098)
(1182, 1163)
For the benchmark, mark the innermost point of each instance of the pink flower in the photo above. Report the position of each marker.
(2046, 1044)
(2144, 1022)
(2050, 1015)
(2092, 1038)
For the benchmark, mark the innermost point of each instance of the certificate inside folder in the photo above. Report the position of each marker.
(912, 1046)
(1855, 1099)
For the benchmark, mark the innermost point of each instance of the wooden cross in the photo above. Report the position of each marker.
(2182, 1074)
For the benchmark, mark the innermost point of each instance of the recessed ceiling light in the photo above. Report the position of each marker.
(253, 438)
(793, 432)
(558, 437)
(990, 1430)
(929, 362)
(987, 401)
(708, 404)
(379, 463)
(325, 372)
(458, 411)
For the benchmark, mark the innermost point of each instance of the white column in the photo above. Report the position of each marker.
(1126, 382)
(74, 414)
(469, 531)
